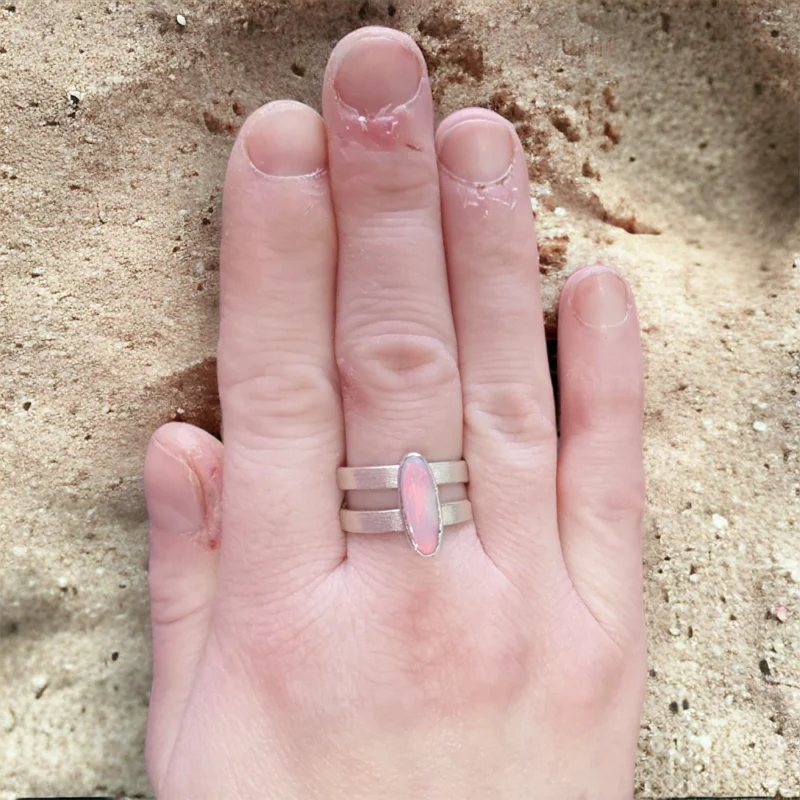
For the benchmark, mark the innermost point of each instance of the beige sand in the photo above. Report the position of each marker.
(663, 138)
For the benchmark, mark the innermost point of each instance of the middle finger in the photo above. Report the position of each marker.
(395, 338)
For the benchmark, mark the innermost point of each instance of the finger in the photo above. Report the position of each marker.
(395, 341)
(183, 485)
(509, 419)
(600, 468)
(277, 376)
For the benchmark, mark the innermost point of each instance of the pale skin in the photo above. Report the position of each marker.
(380, 295)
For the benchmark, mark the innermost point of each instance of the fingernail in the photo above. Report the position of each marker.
(477, 151)
(174, 496)
(286, 139)
(601, 299)
(377, 74)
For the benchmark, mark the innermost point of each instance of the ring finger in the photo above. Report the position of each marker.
(395, 339)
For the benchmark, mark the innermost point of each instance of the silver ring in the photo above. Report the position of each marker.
(392, 520)
(443, 472)
(420, 514)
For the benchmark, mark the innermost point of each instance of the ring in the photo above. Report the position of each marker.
(420, 514)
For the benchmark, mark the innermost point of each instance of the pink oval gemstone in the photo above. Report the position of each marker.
(419, 504)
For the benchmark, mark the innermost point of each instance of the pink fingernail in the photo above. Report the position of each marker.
(600, 300)
(477, 151)
(174, 505)
(376, 75)
(286, 140)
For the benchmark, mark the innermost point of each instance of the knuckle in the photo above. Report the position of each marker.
(513, 411)
(375, 183)
(617, 501)
(378, 368)
(614, 398)
(284, 403)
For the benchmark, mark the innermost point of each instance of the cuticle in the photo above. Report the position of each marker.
(308, 176)
(482, 185)
(601, 327)
(386, 113)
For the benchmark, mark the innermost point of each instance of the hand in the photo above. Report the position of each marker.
(380, 295)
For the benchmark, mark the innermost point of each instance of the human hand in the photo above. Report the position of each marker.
(378, 300)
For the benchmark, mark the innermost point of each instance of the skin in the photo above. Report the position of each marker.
(380, 295)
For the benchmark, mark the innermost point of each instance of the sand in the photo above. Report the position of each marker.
(663, 138)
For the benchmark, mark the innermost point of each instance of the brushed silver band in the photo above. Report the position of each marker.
(392, 520)
(349, 478)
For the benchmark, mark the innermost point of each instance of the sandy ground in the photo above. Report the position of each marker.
(663, 137)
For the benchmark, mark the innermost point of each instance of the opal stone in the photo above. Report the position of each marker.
(419, 504)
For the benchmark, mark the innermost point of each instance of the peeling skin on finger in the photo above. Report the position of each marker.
(208, 492)
(379, 132)
(212, 505)
(496, 195)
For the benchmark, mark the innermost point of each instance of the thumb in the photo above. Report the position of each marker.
(183, 488)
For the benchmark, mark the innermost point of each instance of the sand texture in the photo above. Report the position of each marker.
(663, 138)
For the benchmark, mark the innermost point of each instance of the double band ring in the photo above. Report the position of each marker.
(420, 514)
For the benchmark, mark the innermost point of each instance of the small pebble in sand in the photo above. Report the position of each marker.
(39, 681)
(560, 212)
(719, 522)
(781, 613)
(181, 20)
(759, 426)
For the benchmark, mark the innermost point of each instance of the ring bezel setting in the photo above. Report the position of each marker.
(420, 513)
